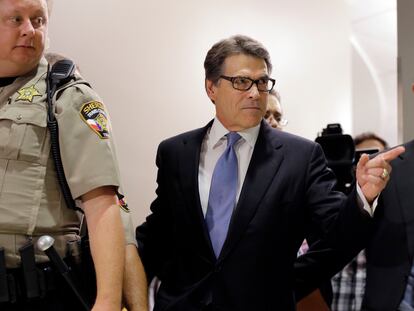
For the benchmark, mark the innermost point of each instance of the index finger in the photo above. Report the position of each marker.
(390, 154)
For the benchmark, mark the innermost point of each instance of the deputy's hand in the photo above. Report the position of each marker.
(373, 174)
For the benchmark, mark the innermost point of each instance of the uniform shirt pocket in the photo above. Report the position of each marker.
(23, 133)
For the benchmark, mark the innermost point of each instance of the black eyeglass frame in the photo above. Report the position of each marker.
(231, 79)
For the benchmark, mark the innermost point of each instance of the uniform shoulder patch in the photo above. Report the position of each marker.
(96, 117)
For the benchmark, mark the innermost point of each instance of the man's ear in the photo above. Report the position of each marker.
(211, 89)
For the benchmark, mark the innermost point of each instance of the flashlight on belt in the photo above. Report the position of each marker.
(45, 244)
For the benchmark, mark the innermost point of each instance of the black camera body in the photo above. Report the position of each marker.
(339, 151)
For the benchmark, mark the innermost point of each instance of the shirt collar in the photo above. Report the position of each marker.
(217, 132)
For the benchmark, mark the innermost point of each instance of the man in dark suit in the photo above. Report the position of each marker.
(391, 248)
(211, 258)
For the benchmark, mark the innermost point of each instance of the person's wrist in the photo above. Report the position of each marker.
(106, 303)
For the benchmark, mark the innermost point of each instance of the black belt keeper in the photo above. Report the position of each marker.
(30, 274)
(50, 278)
(12, 288)
(4, 288)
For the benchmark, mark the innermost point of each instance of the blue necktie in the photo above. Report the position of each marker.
(222, 197)
(408, 298)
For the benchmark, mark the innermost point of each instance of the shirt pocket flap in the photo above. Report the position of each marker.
(20, 115)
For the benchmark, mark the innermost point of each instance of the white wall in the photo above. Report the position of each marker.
(145, 58)
(374, 67)
(405, 69)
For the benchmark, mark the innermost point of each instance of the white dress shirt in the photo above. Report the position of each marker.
(213, 146)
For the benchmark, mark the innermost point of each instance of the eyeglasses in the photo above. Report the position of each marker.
(264, 84)
(282, 122)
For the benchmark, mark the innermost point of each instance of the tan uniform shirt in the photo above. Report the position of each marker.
(31, 203)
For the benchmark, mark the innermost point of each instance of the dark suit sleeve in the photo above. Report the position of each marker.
(337, 228)
(153, 245)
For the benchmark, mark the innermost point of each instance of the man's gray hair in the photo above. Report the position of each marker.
(275, 94)
(238, 44)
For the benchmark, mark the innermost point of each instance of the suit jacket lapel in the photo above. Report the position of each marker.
(264, 164)
(189, 160)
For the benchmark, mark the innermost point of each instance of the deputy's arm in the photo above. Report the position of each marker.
(135, 281)
(107, 245)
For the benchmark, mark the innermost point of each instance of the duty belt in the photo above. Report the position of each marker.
(34, 280)
(29, 282)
